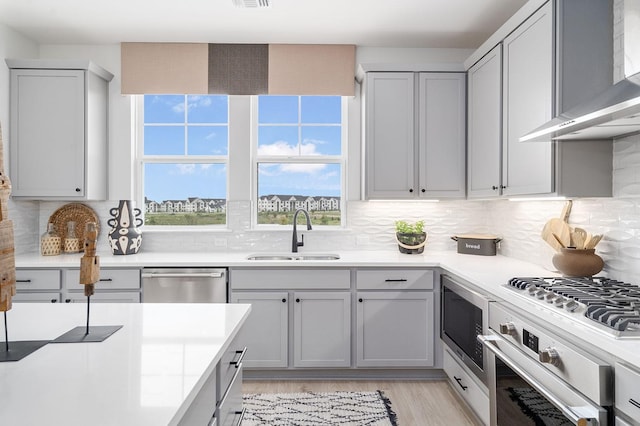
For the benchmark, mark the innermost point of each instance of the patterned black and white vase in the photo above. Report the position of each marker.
(124, 236)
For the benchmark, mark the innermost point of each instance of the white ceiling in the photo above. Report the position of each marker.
(381, 23)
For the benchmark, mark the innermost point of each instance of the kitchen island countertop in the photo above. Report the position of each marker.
(146, 373)
(488, 273)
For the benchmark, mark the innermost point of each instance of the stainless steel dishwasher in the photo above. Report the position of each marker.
(181, 285)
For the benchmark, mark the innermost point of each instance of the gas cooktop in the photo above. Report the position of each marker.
(614, 306)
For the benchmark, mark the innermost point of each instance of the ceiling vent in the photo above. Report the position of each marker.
(252, 3)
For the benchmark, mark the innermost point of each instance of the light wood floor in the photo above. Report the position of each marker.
(417, 403)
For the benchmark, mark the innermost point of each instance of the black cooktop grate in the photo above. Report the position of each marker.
(613, 303)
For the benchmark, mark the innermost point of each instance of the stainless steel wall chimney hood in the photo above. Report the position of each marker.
(613, 113)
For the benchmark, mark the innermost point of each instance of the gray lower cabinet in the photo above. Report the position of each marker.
(38, 285)
(395, 329)
(265, 333)
(63, 285)
(299, 317)
(322, 329)
(395, 318)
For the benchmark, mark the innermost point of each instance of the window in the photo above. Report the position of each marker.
(298, 159)
(184, 159)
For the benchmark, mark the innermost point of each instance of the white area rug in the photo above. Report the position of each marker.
(310, 408)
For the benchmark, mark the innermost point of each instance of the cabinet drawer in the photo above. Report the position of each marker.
(51, 297)
(105, 297)
(230, 408)
(627, 391)
(203, 407)
(37, 279)
(110, 279)
(470, 391)
(300, 279)
(395, 279)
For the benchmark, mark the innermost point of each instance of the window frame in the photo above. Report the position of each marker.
(300, 159)
(141, 159)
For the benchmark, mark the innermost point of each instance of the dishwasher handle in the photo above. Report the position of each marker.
(182, 275)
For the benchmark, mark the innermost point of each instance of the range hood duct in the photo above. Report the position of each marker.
(613, 113)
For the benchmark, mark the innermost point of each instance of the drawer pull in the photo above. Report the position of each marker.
(241, 413)
(459, 380)
(106, 279)
(238, 362)
(397, 280)
(634, 402)
(23, 281)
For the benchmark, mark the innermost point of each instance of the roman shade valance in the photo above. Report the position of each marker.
(237, 69)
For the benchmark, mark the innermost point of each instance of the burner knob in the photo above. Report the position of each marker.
(571, 305)
(532, 289)
(549, 356)
(550, 297)
(508, 328)
(559, 302)
(540, 294)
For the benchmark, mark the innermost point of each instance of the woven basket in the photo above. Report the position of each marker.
(75, 212)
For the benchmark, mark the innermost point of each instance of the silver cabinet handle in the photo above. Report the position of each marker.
(181, 275)
(566, 411)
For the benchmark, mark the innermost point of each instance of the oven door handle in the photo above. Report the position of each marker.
(576, 419)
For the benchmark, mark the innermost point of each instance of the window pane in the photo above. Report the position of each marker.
(277, 109)
(284, 187)
(278, 140)
(207, 140)
(321, 109)
(164, 108)
(164, 140)
(185, 194)
(208, 109)
(324, 140)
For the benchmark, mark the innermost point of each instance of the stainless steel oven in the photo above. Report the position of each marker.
(464, 316)
(537, 377)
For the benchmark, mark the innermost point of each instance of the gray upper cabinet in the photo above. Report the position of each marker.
(528, 89)
(484, 126)
(414, 135)
(58, 130)
(558, 57)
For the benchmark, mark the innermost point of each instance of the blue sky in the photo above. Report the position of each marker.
(206, 133)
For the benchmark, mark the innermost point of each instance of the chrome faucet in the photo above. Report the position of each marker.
(295, 244)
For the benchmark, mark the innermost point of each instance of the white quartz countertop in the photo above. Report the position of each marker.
(146, 373)
(488, 273)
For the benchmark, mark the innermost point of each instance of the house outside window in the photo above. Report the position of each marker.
(184, 159)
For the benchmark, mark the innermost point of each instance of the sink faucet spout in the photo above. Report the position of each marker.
(295, 243)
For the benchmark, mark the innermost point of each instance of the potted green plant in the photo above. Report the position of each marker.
(411, 238)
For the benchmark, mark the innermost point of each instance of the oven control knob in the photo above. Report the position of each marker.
(532, 289)
(540, 294)
(571, 305)
(559, 302)
(508, 328)
(549, 356)
(550, 297)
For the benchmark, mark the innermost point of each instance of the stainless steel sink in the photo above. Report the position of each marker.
(318, 257)
(293, 256)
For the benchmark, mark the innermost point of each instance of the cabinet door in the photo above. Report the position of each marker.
(322, 329)
(528, 167)
(395, 329)
(266, 331)
(484, 126)
(47, 133)
(389, 135)
(442, 134)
